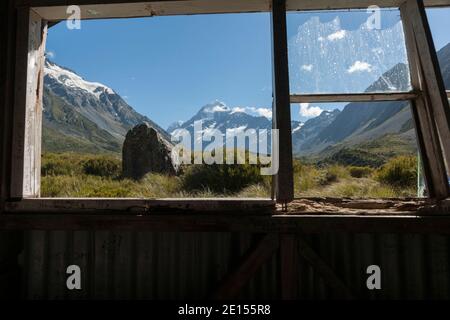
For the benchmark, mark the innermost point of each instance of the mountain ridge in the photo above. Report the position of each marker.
(88, 112)
(90, 117)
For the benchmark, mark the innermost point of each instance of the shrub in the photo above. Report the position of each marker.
(399, 172)
(85, 186)
(221, 177)
(57, 164)
(54, 164)
(335, 172)
(56, 168)
(261, 190)
(306, 177)
(360, 172)
(355, 157)
(102, 166)
(156, 185)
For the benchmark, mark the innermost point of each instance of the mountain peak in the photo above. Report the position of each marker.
(215, 106)
(69, 78)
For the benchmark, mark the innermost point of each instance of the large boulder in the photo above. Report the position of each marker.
(145, 150)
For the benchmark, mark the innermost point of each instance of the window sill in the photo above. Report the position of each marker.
(133, 206)
(202, 215)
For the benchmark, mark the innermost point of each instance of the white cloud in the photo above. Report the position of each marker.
(218, 108)
(264, 112)
(360, 66)
(308, 111)
(307, 67)
(321, 39)
(237, 109)
(50, 54)
(338, 35)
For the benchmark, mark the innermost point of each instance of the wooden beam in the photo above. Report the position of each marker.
(35, 135)
(124, 205)
(353, 97)
(323, 269)
(20, 102)
(255, 257)
(403, 222)
(426, 146)
(91, 9)
(284, 184)
(430, 71)
(289, 268)
(26, 153)
(7, 58)
(112, 9)
(426, 129)
(305, 5)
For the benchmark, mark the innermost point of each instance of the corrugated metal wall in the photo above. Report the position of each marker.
(146, 265)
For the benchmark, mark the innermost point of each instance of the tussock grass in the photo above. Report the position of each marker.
(83, 175)
(396, 178)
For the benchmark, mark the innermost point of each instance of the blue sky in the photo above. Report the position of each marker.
(169, 67)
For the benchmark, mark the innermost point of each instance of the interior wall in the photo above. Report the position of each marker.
(144, 265)
(189, 265)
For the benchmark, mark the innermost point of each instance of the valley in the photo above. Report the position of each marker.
(348, 152)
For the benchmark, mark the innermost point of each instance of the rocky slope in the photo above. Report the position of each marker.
(85, 116)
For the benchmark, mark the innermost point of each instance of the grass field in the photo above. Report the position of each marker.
(88, 175)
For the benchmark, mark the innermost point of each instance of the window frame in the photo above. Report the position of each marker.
(25, 166)
(420, 97)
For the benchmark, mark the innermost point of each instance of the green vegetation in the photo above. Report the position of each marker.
(360, 172)
(373, 153)
(400, 172)
(103, 167)
(65, 129)
(396, 178)
(224, 178)
(354, 157)
(87, 175)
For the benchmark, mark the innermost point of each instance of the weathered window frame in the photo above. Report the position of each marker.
(428, 98)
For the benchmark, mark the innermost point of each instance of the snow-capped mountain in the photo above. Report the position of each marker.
(356, 123)
(310, 129)
(79, 114)
(217, 115)
(175, 125)
(70, 79)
